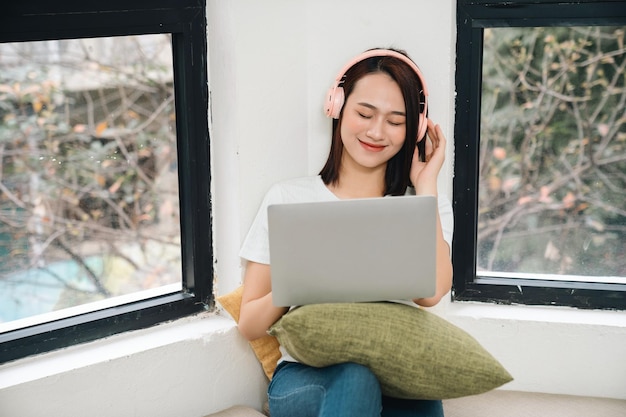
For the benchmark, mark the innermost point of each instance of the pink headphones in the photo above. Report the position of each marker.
(335, 101)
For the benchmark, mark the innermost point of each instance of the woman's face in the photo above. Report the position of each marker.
(373, 125)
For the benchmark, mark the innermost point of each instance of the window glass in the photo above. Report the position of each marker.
(89, 209)
(552, 180)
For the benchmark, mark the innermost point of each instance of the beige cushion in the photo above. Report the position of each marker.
(265, 348)
(414, 353)
(237, 411)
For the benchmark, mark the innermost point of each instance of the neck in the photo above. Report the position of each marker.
(359, 182)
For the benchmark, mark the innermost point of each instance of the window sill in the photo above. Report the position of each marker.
(527, 313)
(192, 366)
(552, 350)
(200, 326)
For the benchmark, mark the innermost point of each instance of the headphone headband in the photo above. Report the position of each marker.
(382, 52)
(335, 96)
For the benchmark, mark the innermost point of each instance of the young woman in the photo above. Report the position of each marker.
(380, 102)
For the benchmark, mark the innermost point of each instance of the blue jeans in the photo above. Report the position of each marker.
(345, 390)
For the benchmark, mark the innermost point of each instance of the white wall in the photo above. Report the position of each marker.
(271, 62)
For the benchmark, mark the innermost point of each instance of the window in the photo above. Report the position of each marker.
(104, 164)
(540, 155)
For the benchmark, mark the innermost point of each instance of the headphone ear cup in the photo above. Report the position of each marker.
(423, 126)
(333, 105)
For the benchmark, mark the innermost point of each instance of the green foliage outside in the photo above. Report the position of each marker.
(553, 151)
(86, 174)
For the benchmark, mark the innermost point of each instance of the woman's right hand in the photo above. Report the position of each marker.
(258, 312)
(424, 174)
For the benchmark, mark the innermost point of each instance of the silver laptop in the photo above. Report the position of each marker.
(352, 250)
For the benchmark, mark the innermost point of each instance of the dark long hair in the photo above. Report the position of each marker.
(398, 167)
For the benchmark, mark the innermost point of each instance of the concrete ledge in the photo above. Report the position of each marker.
(505, 404)
(238, 411)
(190, 367)
(500, 403)
(201, 365)
(548, 349)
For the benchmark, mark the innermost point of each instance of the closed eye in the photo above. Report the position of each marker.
(398, 116)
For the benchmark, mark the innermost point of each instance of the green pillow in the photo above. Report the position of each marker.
(415, 354)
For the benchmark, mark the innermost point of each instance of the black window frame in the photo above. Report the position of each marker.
(185, 20)
(472, 18)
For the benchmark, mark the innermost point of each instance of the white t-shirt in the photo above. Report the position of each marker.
(256, 248)
(310, 189)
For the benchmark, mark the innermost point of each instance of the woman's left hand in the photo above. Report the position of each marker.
(424, 174)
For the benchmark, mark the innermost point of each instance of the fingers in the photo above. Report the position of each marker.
(429, 147)
(436, 141)
(433, 134)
